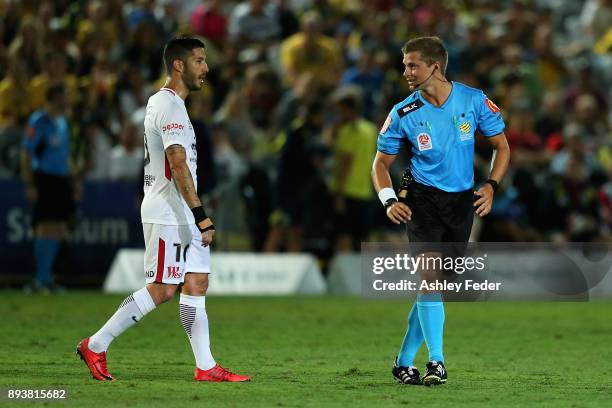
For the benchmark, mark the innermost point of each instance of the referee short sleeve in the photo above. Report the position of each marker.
(33, 135)
(490, 122)
(390, 138)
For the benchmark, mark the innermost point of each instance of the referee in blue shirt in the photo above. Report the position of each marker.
(437, 122)
(46, 175)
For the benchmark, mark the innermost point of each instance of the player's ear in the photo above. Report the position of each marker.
(179, 65)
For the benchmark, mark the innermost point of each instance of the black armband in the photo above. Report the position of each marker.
(493, 184)
(200, 215)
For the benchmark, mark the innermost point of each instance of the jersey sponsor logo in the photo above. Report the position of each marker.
(149, 179)
(386, 124)
(174, 272)
(172, 126)
(424, 141)
(492, 107)
(411, 107)
(149, 274)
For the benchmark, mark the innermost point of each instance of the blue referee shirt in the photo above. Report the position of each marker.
(441, 139)
(47, 140)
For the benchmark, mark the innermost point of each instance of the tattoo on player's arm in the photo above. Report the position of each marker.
(177, 158)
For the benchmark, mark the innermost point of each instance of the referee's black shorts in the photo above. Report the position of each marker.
(55, 198)
(439, 216)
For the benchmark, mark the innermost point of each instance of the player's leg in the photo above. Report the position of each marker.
(425, 231)
(47, 239)
(404, 369)
(458, 214)
(49, 220)
(431, 315)
(160, 244)
(192, 312)
(194, 319)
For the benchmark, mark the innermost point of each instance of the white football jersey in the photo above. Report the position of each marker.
(166, 123)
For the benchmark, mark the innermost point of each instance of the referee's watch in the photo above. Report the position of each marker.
(493, 184)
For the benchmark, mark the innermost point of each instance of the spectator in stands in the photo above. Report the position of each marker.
(311, 51)
(15, 95)
(126, 159)
(297, 172)
(54, 72)
(254, 21)
(209, 21)
(353, 141)
(369, 78)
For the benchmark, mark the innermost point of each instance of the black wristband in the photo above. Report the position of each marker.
(493, 184)
(390, 202)
(199, 214)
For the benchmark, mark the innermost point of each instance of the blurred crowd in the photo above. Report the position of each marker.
(297, 91)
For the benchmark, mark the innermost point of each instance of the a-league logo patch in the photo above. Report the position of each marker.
(386, 125)
(424, 141)
(492, 107)
(465, 128)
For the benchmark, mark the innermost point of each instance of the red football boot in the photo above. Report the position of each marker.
(96, 362)
(219, 374)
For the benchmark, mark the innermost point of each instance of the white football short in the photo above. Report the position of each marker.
(171, 251)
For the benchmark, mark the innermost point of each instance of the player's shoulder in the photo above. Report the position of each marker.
(38, 117)
(163, 102)
(468, 90)
(411, 104)
(162, 97)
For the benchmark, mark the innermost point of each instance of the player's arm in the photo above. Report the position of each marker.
(27, 175)
(396, 211)
(499, 166)
(31, 141)
(177, 159)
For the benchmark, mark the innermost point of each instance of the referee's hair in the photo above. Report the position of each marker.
(179, 48)
(432, 50)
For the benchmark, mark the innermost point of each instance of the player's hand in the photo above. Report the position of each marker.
(31, 194)
(399, 213)
(207, 236)
(485, 200)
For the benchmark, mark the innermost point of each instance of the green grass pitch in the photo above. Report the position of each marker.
(319, 352)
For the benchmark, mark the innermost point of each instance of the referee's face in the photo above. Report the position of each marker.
(196, 69)
(416, 70)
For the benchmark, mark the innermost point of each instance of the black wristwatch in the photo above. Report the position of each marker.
(390, 202)
(493, 184)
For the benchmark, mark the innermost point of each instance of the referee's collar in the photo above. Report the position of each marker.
(446, 102)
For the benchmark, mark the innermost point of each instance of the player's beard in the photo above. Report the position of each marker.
(192, 81)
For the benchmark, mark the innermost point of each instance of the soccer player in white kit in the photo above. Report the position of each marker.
(176, 228)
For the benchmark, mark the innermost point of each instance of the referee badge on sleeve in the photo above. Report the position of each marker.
(386, 125)
(492, 107)
(424, 142)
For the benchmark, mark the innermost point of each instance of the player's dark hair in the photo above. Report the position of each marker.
(432, 50)
(179, 48)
